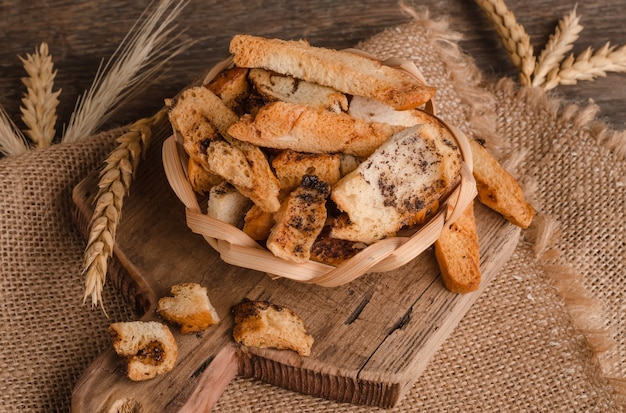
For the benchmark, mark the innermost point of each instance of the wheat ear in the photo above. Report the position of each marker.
(12, 140)
(559, 44)
(144, 51)
(40, 102)
(113, 186)
(513, 36)
(588, 66)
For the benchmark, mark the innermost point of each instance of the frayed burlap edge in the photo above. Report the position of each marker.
(586, 312)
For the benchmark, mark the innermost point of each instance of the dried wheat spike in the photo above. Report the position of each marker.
(114, 184)
(40, 102)
(513, 36)
(559, 44)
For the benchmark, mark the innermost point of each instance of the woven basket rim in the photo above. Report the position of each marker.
(237, 248)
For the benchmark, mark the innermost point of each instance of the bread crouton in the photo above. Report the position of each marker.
(458, 254)
(148, 347)
(189, 307)
(290, 166)
(498, 190)
(257, 224)
(266, 325)
(299, 221)
(227, 204)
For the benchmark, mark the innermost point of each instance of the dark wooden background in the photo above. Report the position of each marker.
(81, 34)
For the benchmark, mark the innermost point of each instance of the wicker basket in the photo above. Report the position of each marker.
(237, 248)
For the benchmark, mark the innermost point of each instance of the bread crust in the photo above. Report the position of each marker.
(267, 325)
(458, 254)
(148, 347)
(189, 307)
(303, 128)
(391, 188)
(347, 72)
(498, 190)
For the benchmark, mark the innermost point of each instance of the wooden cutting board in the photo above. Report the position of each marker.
(373, 337)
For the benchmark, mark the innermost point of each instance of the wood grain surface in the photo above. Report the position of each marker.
(373, 336)
(83, 33)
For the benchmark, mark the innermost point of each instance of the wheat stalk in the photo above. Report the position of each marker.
(146, 49)
(559, 44)
(39, 102)
(512, 35)
(12, 140)
(113, 186)
(588, 66)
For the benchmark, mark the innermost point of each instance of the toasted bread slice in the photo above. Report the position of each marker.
(245, 167)
(299, 221)
(274, 86)
(227, 204)
(201, 178)
(148, 347)
(333, 251)
(290, 166)
(498, 190)
(344, 71)
(458, 254)
(232, 87)
(372, 110)
(189, 307)
(258, 223)
(303, 128)
(408, 173)
(266, 325)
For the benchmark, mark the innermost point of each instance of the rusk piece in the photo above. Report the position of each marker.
(266, 325)
(410, 172)
(227, 204)
(344, 71)
(299, 221)
(189, 307)
(148, 347)
(458, 254)
(498, 190)
(274, 86)
(290, 166)
(304, 128)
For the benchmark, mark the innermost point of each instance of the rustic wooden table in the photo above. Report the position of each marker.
(81, 34)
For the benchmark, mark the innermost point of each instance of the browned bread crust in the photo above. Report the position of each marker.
(303, 128)
(266, 325)
(347, 72)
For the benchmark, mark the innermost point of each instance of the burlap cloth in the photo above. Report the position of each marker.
(548, 334)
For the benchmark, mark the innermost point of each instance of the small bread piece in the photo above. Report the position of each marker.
(299, 221)
(458, 254)
(230, 163)
(372, 110)
(290, 166)
(408, 173)
(189, 307)
(266, 325)
(258, 223)
(498, 190)
(148, 347)
(232, 87)
(344, 71)
(188, 115)
(275, 86)
(333, 251)
(303, 128)
(200, 178)
(227, 204)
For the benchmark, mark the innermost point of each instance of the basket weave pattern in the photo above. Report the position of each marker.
(237, 248)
